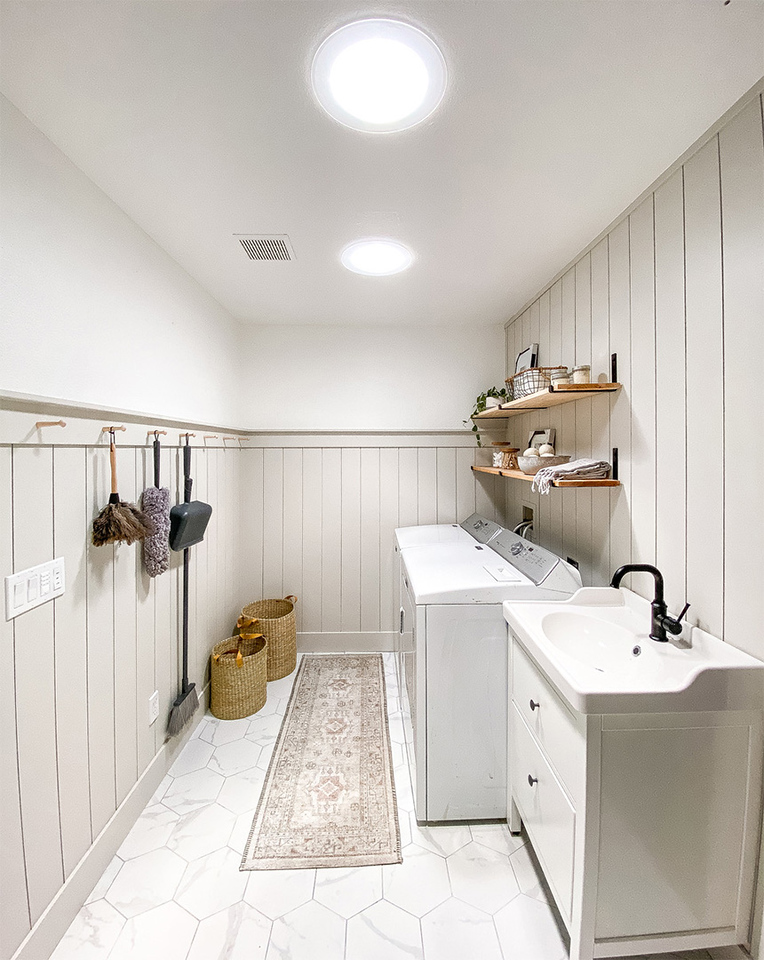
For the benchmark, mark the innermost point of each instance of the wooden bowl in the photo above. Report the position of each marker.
(532, 465)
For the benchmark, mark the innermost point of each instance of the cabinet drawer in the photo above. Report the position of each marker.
(559, 731)
(547, 813)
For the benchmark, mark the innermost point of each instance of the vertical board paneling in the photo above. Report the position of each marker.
(351, 539)
(446, 485)
(14, 904)
(555, 326)
(583, 412)
(408, 483)
(427, 486)
(705, 387)
(465, 483)
(273, 522)
(620, 412)
(312, 504)
(214, 572)
(742, 175)
(100, 627)
(35, 682)
(544, 307)
(252, 518)
(126, 714)
(388, 521)
(204, 639)
(600, 407)
(331, 542)
(293, 543)
(670, 444)
(70, 530)
(568, 319)
(370, 535)
(642, 257)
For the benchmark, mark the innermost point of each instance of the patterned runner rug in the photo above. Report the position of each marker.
(329, 796)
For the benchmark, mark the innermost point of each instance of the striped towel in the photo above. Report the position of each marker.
(574, 470)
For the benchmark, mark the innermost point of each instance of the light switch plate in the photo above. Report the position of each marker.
(32, 587)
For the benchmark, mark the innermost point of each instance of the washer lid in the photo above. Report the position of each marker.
(455, 574)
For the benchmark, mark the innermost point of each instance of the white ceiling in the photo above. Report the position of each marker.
(198, 120)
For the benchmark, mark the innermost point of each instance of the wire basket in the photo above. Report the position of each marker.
(238, 677)
(276, 621)
(530, 381)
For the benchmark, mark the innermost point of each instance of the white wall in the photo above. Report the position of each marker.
(367, 378)
(92, 309)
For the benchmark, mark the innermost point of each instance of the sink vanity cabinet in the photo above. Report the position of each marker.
(646, 824)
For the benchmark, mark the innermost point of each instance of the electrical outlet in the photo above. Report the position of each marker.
(153, 707)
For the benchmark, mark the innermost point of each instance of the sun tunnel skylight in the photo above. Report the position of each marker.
(379, 75)
(376, 257)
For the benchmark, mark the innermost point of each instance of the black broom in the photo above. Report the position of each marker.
(119, 522)
(188, 522)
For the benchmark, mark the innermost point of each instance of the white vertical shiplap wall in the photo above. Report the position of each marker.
(79, 670)
(318, 519)
(675, 290)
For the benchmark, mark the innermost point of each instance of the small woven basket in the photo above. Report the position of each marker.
(276, 621)
(238, 677)
(530, 381)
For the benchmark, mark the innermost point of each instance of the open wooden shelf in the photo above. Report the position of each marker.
(519, 475)
(550, 397)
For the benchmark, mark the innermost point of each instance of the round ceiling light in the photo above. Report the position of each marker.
(376, 257)
(379, 75)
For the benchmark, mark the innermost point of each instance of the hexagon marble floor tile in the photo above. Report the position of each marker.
(174, 890)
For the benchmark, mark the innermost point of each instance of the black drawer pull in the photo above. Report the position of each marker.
(532, 780)
(534, 705)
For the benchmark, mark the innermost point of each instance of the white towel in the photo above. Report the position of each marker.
(574, 470)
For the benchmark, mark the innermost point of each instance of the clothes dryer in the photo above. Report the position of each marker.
(454, 691)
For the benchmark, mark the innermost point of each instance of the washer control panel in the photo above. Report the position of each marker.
(529, 558)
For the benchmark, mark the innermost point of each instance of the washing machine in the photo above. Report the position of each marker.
(454, 695)
(475, 528)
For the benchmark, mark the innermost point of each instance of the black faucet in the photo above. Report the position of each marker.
(661, 621)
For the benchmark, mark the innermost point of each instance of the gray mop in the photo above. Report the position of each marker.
(156, 506)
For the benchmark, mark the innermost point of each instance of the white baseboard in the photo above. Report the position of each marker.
(44, 936)
(347, 642)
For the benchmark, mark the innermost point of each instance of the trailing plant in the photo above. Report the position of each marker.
(480, 407)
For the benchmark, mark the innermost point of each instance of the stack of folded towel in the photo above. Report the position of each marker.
(574, 470)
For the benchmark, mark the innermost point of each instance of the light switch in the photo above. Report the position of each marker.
(33, 587)
(29, 588)
(19, 593)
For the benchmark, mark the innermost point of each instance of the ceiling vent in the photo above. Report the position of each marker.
(267, 246)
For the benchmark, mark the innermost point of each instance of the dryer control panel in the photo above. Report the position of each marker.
(481, 529)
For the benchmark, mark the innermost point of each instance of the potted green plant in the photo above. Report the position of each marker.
(481, 405)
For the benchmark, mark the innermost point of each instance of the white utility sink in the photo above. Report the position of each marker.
(596, 649)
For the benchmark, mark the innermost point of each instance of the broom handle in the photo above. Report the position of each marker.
(113, 462)
(186, 563)
(156, 463)
(186, 557)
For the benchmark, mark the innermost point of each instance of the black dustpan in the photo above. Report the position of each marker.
(188, 520)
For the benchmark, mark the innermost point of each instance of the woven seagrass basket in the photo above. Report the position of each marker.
(276, 621)
(238, 677)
